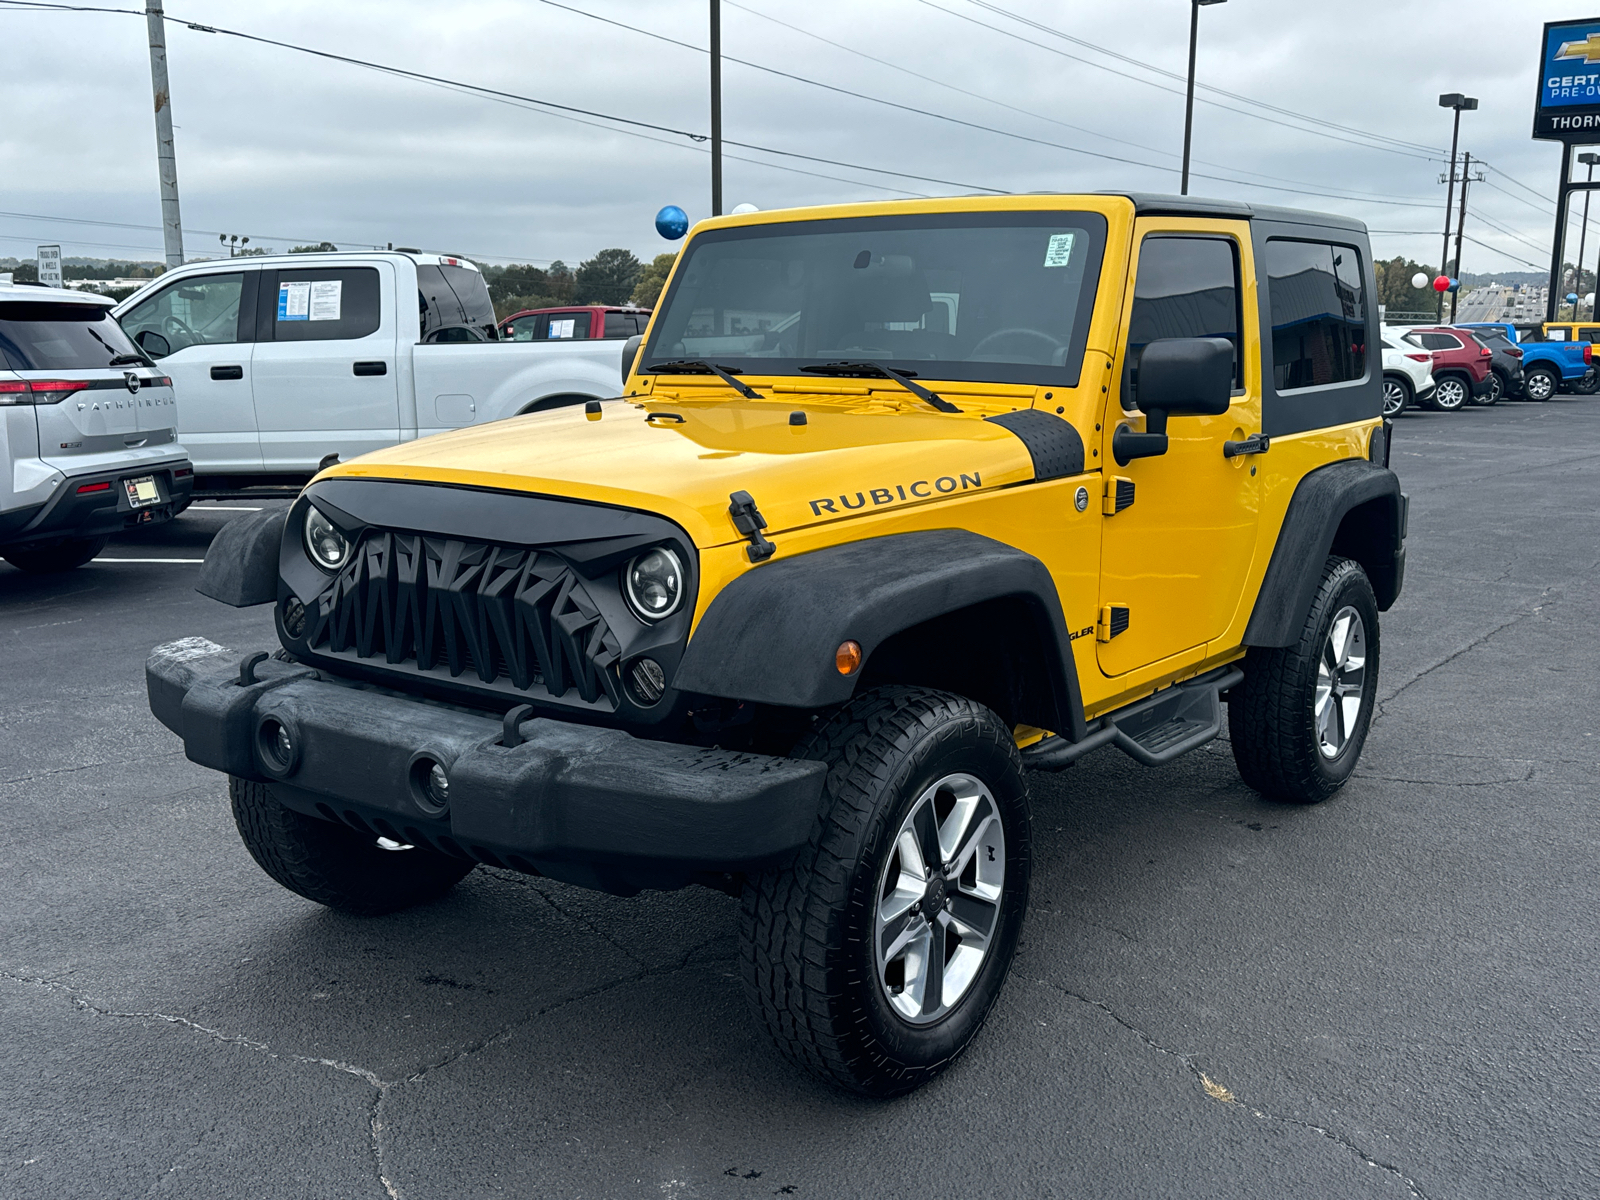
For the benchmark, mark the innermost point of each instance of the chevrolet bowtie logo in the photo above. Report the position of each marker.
(1588, 49)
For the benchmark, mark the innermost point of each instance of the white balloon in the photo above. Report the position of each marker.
(1589, 299)
(738, 209)
(1420, 279)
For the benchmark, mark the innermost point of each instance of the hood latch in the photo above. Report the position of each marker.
(747, 519)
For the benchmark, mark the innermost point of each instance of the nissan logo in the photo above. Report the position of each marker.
(133, 381)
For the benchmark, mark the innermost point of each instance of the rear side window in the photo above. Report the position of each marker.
(202, 310)
(437, 300)
(1319, 314)
(1589, 335)
(62, 337)
(472, 294)
(325, 304)
(624, 325)
(1439, 341)
(1187, 287)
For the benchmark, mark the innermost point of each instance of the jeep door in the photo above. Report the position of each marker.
(199, 328)
(1174, 561)
(325, 372)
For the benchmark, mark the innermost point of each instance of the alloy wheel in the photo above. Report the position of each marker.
(1341, 680)
(1450, 395)
(939, 899)
(1394, 398)
(1539, 386)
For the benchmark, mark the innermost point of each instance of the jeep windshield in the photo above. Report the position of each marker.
(997, 297)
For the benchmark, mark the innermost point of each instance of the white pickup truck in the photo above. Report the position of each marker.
(278, 363)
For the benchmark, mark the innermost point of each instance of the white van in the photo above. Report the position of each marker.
(281, 363)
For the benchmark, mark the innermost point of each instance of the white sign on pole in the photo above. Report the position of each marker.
(5, 278)
(50, 266)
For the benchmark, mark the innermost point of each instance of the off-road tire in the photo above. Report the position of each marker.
(1271, 715)
(807, 928)
(57, 556)
(1396, 396)
(333, 865)
(1539, 384)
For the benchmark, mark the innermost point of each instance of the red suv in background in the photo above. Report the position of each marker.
(576, 321)
(1460, 365)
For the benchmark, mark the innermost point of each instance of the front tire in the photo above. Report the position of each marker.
(57, 556)
(1300, 718)
(1396, 396)
(333, 865)
(1497, 389)
(873, 957)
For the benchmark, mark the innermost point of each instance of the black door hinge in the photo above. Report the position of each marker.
(747, 519)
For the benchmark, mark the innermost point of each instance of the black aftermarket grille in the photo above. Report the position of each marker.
(501, 612)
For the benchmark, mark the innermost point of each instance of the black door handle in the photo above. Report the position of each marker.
(1256, 443)
(370, 368)
(227, 372)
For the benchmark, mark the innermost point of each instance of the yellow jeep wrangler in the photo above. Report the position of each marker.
(901, 502)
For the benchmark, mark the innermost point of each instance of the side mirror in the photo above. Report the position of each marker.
(1176, 377)
(630, 351)
(153, 344)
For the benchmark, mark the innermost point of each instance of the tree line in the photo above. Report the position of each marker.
(611, 277)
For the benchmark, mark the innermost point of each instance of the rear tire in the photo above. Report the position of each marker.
(1396, 396)
(333, 865)
(1300, 718)
(57, 556)
(1539, 383)
(1451, 393)
(1587, 385)
(864, 956)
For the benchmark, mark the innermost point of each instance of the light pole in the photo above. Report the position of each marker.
(1458, 102)
(1589, 161)
(716, 108)
(1188, 104)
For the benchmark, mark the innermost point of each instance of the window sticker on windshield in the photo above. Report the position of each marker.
(294, 301)
(563, 329)
(325, 295)
(1059, 252)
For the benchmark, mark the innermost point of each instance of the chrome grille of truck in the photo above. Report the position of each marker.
(507, 614)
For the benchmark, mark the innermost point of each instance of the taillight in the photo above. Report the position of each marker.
(1420, 357)
(1485, 352)
(1514, 353)
(160, 381)
(1588, 354)
(93, 487)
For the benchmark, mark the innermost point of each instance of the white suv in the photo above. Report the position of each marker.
(88, 431)
(1407, 374)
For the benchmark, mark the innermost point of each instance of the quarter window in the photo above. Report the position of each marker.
(1319, 314)
(1187, 287)
(202, 310)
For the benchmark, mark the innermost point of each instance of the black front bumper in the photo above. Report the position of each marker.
(591, 806)
(71, 513)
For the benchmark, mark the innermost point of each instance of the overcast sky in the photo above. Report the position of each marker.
(287, 147)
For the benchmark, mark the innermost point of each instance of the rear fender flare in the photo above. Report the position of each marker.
(771, 635)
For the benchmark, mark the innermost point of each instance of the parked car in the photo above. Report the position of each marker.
(1505, 363)
(590, 321)
(1407, 376)
(1547, 366)
(1460, 364)
(283, 363)
(88, 441)
(796, 626)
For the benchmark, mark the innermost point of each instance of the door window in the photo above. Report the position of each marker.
(557, 327)
(1319, 314)
(1187, 287)
(202, 310)
(325, 304)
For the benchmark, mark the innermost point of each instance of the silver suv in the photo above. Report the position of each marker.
(88, 431)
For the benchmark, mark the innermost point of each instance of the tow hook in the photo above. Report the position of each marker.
(747, 519)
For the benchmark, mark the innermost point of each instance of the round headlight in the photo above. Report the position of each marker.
(328, 548)
(654, 584)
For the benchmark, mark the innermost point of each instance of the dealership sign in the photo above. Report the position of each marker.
(1568, 108)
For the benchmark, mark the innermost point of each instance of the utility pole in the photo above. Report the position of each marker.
(1458, 102)
(1188, 104)
(1589, 161)
(1461, 221)
(716, 107)
(166, 159)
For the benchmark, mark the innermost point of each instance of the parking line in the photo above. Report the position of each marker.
(149, 560)
(228, 508)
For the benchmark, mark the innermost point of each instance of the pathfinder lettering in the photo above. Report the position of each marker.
(944, 484)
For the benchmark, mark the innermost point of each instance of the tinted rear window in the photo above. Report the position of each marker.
(1319, 313)
(325, 304)
(60, 337)
(472, 293)
(625, 325)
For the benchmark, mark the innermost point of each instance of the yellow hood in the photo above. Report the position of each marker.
(683, 459)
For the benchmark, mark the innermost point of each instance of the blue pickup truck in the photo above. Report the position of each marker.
(1547, 367)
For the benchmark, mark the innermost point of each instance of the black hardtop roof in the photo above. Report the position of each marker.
(1156, 204)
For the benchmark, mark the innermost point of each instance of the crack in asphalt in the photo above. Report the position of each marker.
(518, 879)
(94, 766)
(1545, 602)
(1223, 1095)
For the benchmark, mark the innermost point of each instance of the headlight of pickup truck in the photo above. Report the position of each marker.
(653, 583)
(328, 548)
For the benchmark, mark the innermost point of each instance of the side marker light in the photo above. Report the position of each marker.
(847, 658)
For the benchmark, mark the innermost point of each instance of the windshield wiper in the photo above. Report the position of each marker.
(682, 366)
(868, 367)
(123, 360)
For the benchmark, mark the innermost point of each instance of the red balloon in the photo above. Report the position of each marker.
(1441, 283)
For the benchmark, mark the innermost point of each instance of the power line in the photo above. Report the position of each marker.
(1501, 252)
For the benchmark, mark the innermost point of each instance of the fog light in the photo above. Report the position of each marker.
(294, 617)
(276, 747)
(285, 746)
(430, 785)
(439, 786)
(649, 680)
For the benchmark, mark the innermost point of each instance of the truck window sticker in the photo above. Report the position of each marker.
(294, 301)
(325, 299)
(1059, 252)
(563, 328)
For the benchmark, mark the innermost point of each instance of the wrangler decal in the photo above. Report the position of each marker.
(882, 495)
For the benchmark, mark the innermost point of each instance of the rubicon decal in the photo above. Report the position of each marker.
(922, 489)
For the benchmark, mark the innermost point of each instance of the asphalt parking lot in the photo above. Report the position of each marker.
(1392, 994)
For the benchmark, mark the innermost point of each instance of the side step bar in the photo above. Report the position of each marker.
(1152, 731)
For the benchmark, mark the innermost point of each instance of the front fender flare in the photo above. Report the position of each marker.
(770, 636)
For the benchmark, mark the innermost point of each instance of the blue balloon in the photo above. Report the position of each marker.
(1572, 297)
(672, 222)
(1455, 285)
